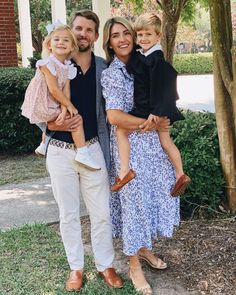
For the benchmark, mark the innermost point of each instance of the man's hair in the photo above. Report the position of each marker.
(86, 14)
(107, 34)
(147, 19)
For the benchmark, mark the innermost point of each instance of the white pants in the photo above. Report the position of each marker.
(69, 180)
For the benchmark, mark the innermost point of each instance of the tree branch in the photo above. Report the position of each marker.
(160, 4)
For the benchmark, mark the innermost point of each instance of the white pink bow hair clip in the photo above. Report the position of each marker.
(51, 27)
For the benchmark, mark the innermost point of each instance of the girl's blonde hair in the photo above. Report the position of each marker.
(147, 19)
(46, 51)
(107, 34)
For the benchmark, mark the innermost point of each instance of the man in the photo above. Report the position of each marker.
(69, 179)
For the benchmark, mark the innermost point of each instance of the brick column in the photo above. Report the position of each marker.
(8, 53)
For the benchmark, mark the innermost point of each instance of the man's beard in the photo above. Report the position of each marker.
(83, 48)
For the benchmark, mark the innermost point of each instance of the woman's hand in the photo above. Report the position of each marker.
(69, 124)
(163, 125)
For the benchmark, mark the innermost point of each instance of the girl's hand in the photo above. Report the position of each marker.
(72, 110)
(61, 118)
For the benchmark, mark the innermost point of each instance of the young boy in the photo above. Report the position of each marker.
(155, 95)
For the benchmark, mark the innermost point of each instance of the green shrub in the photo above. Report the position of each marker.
(17, 134)
(197, 139)
(198, 63)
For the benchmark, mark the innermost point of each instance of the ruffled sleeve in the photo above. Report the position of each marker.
(48, 63)
(72, 70)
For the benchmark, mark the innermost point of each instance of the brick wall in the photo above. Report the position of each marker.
(8, 53)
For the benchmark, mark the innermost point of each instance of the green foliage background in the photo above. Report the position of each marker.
(197, 139)
(196, 63)
(17, 135)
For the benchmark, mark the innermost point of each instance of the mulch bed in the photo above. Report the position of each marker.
(202, 254)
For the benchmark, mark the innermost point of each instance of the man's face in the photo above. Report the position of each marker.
(84, 30)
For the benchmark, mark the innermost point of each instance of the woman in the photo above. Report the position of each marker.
(143, 208)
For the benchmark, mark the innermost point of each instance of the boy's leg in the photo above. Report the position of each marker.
(124, 150)
(172, 152)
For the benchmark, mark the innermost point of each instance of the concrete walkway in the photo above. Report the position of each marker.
(27, 203)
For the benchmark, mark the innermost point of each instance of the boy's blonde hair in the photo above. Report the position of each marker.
(107, 34)
(148, 19)
(46, 51)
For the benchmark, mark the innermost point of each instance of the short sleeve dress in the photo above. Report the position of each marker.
(39, 106)
(143, 208)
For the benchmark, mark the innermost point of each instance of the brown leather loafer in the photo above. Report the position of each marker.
(75, 281)
(180, 186)
(111, 278)
(119, 183)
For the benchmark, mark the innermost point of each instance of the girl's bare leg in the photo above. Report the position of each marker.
(172, 152)
(83, 155)
(79, 137)
(137, 276)
(124, 150)
(43, 137)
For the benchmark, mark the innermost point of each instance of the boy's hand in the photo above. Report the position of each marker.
(153, 118)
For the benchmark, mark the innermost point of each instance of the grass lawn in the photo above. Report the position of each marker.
(15, 169)
(33, 262)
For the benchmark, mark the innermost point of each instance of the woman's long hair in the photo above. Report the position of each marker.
(107, 35)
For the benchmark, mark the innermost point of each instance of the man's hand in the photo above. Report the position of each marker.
(69, 124)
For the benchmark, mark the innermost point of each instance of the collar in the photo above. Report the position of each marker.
(118, 64)
(151, 50)
(92, 61)
(58, 62)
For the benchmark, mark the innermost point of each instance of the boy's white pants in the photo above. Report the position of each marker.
(69, 180)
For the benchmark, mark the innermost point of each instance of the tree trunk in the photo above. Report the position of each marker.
(171, 15)
(169, 30)
(225, 92)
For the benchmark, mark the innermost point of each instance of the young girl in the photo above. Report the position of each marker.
(155, 97)
(47, 97)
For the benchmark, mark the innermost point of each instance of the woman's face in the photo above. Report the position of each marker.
(121, 41)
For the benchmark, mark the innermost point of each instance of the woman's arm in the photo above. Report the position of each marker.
(124, 120)
(130, 122)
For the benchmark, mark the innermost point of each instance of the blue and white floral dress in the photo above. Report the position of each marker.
(143, 208)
